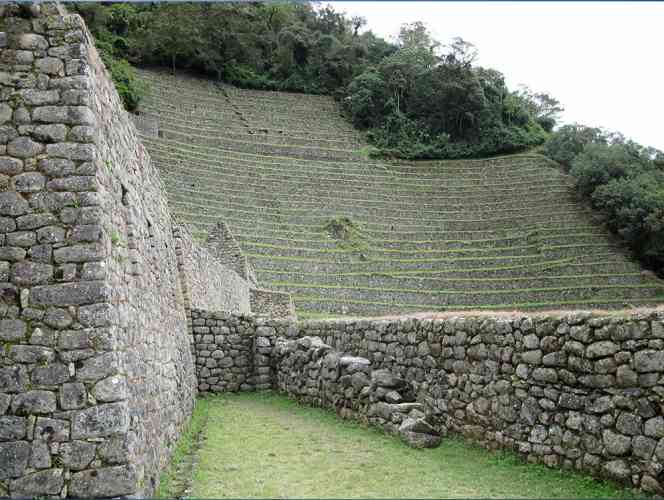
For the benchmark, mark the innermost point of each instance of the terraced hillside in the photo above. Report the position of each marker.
(348, 235)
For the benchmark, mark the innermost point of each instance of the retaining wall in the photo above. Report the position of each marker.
(575, 391)
(96, 369)
(200, 267)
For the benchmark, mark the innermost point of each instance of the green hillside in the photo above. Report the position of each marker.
(349, 235)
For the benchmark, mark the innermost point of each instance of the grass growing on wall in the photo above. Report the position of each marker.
(264, 445)
(171, 481)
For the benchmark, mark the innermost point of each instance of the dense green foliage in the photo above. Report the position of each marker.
(415, 98)
(424, 102)
(622, 179)
(110, 27)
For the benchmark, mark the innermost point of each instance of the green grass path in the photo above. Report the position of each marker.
(264, 445)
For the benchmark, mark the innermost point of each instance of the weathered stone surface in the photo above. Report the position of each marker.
(72, 396)
(97, 367)
(13, 204)
(101, 420)
(110, 389)
(13, 379)
(77, 455)
(71, 115)
(12, 428)
(601, 349)
(616, 444)
(40, 457)
(104, 482)
(31, 273)
(51, 430)
(24, 147)
(52, 374)
(70, 294)
(654, 427)
(34, 402)
(12, 330)
(115, 449)
(31, 354)
(48, 482)
(385, 378)
(14, 457)
(648, 361)
(616, 469)
(419, 440)
(10, 166)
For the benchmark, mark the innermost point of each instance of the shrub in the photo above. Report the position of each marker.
(570, 140)
(599, 163)
(634, 208)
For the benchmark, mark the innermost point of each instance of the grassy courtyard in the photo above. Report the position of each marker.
(263, 445)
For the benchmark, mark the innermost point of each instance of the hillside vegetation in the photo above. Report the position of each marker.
(416, 97)
(350, 235)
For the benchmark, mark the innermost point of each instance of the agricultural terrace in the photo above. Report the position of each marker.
(345, 234)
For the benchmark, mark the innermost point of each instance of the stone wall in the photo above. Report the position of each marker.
(233, 352)
(96, 372)
(311, 371)
(575, 391)
(226, 248)
(211, 285)
(272, 304)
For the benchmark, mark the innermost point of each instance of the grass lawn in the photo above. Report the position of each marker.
(264, 445)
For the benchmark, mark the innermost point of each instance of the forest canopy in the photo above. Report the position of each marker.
(416, 97)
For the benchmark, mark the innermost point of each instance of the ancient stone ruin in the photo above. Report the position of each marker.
(113, 317)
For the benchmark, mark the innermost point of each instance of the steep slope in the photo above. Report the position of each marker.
(349, 235)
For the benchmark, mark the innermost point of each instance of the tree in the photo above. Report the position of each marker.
(416, 36)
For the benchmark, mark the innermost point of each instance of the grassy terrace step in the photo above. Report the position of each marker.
(413, 169)
(436, 298)
(193, 185)
(324, 306)
(381, 254)
(221, 164)
(207, 199)
(426, 283)
(402, 246)
(219, 157)
(216, 125)
(191, 212)
(496, 192)
(185, 125)
(220, 140)
(434, 195)
(218, 117)
(501, 233)
(397, 266)
(258, 135)
(213, 169)
(375, 253)
(567, 266)
(239, 226)
(223, 160)
(350, 168)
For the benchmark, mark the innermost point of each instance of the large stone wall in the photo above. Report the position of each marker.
(96, 369)
(271, 304)
(200, 267)
(575, 391)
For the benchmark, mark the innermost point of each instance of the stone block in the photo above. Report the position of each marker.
(99, 421)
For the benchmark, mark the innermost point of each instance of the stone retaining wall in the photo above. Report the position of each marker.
(211, 285)
(575, 391)
(96, 371)
(272, 304)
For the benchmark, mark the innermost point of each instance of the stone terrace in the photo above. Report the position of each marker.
(348, 235)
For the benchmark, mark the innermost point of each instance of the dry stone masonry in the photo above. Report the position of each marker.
(110, 318)
(97, 281)
(575, 391)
